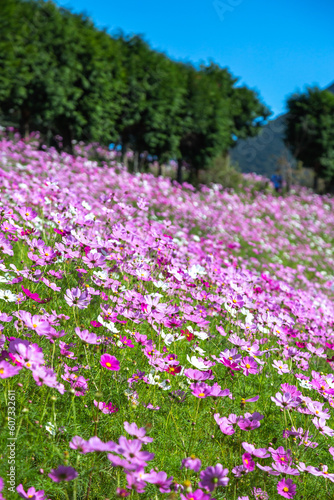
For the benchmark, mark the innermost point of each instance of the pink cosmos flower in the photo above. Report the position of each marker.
(200, 390)
(77, 297)
(80, 386)
(7, 370)
(239, 471)
(281, 367)
(86, 336)
(122, 493)
(125, 341)
(94, 444)
(198, 375)
(159, 479)
(31, 493)
(285, 469)
(79, 444)
(320, 424)
(27, 213)
(93, 260)
(106, 408)
(132, 452)
(255, 452)
(110, 362)
(139, 433)
(192, 463)
(196, 495)
(259, 494)
(247, 424)
(217, 392)
(230, 364)
(286, 488)
(285, 400)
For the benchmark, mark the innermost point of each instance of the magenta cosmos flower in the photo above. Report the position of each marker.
(248, 462)
(249, 366)
(109, 362)
(63, 473)
(286, 488)
(106, 408)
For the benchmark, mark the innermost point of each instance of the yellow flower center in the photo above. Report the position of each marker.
(285, 489)
(108, 364)
(201, 395)
(247, 366)
(34, 325)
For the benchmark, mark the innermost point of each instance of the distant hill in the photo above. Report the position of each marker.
(260, 154)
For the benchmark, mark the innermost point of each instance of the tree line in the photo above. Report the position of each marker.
(61, 75)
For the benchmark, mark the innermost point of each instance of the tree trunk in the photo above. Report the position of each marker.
(179, 171)
(330, 186)
(25, 122)
(125, 160)
(135, 161)
(67, 139)
(159, 169)
(315, 182)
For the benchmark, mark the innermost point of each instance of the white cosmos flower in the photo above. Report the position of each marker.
(197, 363)
(164, 385)
(6, 278)
(169, 338)
(305, 384)
(201, 335)
(102, 275)
(196, 270)
(51, 429)
(200, 351)
(161, 284)
(110, 326)
(7, 296)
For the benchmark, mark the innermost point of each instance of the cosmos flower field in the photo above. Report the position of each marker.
(161, 342)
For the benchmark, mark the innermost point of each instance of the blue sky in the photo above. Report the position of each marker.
(274, 47)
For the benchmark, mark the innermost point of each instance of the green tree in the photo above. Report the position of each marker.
(216, 115)
(310, 132)
(60, 74)
(151, 99)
